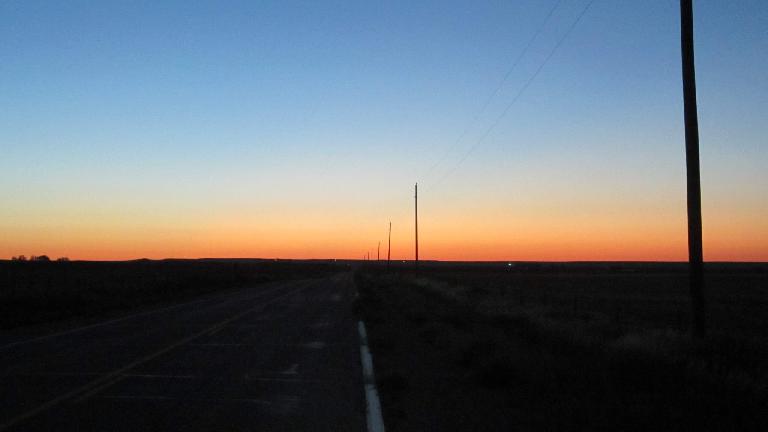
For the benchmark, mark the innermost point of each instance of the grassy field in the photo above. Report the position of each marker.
(567, 347)
(42, 292)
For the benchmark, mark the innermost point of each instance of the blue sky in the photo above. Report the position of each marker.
(155, 114)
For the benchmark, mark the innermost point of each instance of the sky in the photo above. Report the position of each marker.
(133, 129)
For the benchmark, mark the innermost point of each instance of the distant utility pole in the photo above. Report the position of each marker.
(389, 244)
(378, 249)
(416, 214)
(695, 253)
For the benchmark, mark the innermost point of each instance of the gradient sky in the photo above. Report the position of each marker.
(297, 129)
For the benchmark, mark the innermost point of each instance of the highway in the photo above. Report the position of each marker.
(280, 356)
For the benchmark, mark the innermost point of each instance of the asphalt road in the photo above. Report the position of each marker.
(282, 356)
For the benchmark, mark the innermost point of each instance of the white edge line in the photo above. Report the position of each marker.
(372, 404)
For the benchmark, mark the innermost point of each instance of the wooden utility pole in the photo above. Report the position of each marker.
(693, 175)
(389, 244)
(416, 214)
(378, 249)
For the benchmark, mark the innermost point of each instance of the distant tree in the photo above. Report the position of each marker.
(19, 258)
(62, 259)
(40, 258)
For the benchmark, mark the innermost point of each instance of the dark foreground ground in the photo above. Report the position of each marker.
(263, 345)
(279, 356)
(566, 347)
(43, 292)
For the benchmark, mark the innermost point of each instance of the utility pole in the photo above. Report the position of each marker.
(693, 175)
(416, 214)
(378, 249)
(389, 244)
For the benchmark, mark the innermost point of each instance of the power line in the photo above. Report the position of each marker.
(517, 96)
(522, 54)
(497, 89)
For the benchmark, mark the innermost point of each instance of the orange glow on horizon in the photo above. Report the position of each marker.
(524, 239)
(538, 231)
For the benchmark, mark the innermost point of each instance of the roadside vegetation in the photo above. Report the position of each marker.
(44, 291)
(579, 347)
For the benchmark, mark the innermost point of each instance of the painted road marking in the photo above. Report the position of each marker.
(262, 377)
(42, 374)
(99, 324)
(313, 345)
(116, 377)
(125, 318)
(159, 376)
(286, 380)
(280, 400)
(372, 404)
(308, 345)
(320, 324)
(83, 392)
(283, 405)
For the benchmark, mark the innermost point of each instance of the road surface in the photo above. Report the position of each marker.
(281, 356)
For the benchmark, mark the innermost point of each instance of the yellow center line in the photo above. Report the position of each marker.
(97, 385)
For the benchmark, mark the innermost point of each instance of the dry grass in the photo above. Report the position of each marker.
(603, 349)
(640, 312)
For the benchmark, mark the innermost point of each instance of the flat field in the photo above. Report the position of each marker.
(582, 346)
(44, 292)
